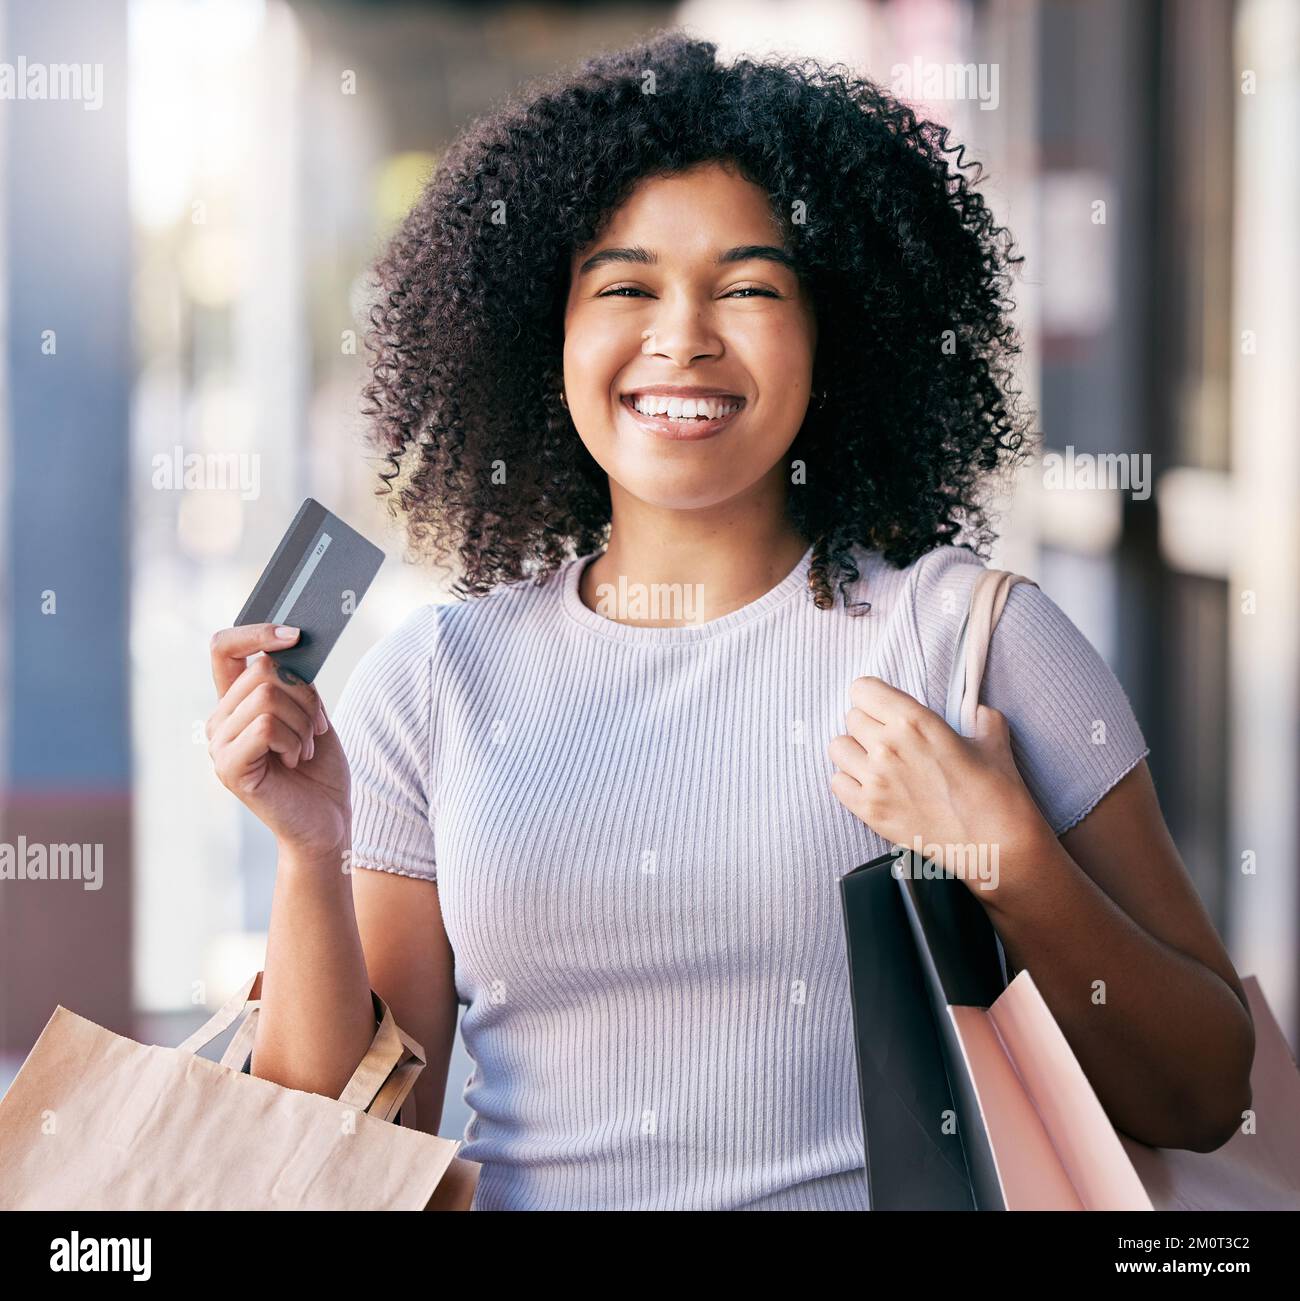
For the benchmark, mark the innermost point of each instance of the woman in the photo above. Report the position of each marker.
(700, 371)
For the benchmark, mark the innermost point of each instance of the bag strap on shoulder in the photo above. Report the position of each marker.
(988, 597)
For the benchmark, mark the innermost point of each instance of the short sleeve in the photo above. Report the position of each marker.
(1073, 731)
(384, 721)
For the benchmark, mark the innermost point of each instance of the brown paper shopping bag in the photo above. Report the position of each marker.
(96, 1121)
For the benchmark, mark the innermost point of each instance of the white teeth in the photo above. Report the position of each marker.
(684, 408)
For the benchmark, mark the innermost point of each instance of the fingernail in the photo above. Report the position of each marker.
(321, 725)
(285, 633)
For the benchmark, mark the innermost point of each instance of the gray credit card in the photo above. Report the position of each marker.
(314, 581)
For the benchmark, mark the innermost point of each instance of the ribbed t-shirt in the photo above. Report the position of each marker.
(637, 856)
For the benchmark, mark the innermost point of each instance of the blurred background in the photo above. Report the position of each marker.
(185, 229)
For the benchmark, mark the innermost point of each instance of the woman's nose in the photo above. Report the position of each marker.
(682, 330)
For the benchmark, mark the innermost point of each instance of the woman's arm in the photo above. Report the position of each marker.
(334, 937)
(272, 747)
(411, 968)
(317, 1019)
(335, 934)
(1166, 1038)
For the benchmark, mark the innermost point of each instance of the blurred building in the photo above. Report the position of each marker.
(198, 244)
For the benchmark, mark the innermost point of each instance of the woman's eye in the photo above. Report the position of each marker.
(620, 289)
(754, 289)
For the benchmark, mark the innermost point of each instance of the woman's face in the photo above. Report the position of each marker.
(685, 293)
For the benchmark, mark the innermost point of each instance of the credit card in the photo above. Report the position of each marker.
(315, 582)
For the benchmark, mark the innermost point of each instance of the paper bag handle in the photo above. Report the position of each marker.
(221, 1020)
(383, 1078)
(392, 1053)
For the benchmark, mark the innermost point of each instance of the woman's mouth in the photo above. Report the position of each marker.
(689, 420)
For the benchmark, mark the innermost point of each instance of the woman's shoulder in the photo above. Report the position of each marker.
(518, 606)
(935, 583)
(936, 589)
(404, 673)
(442, 628)
(941, 579)
(392, 674)
(412, 638)
(1074, 732)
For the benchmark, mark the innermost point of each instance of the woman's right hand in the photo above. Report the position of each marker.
(269, 749)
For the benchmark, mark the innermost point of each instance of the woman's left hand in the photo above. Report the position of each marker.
(905, 773)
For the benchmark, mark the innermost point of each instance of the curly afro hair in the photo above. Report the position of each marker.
(907, 269)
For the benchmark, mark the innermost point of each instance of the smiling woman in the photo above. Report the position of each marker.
(737, 321)
(688, 346)
(657, 220)
(664, 326)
